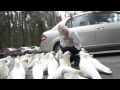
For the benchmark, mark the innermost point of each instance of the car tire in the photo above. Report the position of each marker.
(27, 52)
(57, 47)
(36, 52)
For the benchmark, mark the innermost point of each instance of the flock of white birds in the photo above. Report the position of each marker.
(57, 65)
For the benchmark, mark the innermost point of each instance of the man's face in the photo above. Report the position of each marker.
(65, 33)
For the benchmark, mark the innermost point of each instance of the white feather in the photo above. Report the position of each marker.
(52, 65)
(4, 70)
(37, 71)
(99, 66)
(89, 70)
(18, 71)
(65, 59)
(25, 64)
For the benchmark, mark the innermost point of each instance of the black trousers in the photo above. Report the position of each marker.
(73, 51)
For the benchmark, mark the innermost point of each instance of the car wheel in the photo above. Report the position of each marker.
(57, 47)
(35, 52)
(27, 52)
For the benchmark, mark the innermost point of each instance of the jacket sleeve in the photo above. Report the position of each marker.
(76, 38)
(62, 43)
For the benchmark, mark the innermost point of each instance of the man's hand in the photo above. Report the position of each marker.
(68, 38)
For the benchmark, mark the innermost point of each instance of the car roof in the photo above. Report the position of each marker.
(83, 13)
(24, 47)
(34, 46)
(64, 20)
(91, 12)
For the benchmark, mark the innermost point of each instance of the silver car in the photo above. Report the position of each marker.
(99, 31)
(36, 49)
(26, 50)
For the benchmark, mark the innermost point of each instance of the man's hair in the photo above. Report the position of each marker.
(62, 28)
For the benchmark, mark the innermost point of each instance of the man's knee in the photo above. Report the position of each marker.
(64, 49)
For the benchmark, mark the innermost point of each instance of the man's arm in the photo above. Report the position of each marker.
(62, 43)
(76, 38)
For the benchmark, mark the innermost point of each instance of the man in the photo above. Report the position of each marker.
(70, 41)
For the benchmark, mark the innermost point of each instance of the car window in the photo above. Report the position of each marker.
(19, 49)
(32, 47)
(106, 17)
(27, 47)
(10, 49)
(82, 20)
(14, 48)
(119, 17)
(22, 49)
(69, 23)
(7, 50)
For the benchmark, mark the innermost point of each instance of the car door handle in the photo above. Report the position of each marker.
(100, 28)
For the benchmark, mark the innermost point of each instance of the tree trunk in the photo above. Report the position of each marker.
(28, 30)
(11, 28)
(9, 31)
(23, 34)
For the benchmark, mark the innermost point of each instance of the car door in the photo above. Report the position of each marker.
(22, 50)
(82, 24)
(107, 28)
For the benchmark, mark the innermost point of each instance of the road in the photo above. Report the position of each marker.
(110, 60)
(113, 62)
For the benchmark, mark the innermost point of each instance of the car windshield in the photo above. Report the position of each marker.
(12, 49)
(27, 48)
(32, 47)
